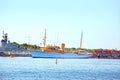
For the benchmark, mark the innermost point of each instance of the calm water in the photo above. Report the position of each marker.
(67, 69)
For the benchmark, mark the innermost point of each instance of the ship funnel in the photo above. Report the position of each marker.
(63, 46)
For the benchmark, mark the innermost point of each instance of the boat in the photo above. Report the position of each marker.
(56, 52)
(66, 55)
(11, 56)
(83, 52)
(6, 47)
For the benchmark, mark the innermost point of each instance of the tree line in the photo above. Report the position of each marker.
(27, 46)
(36, 47)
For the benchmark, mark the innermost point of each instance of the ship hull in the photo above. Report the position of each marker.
(40, 54)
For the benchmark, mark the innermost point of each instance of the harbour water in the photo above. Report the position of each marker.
(27, 68)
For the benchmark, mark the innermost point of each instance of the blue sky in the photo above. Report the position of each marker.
(64, 20)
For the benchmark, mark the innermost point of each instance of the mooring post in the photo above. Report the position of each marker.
(56, 60)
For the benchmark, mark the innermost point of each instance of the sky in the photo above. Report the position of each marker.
(25, 21)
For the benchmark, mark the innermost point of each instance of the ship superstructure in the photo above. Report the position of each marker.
(5, 44)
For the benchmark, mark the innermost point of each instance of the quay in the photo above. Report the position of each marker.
(4, 54)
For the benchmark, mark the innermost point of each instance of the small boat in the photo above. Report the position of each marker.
(11, 56)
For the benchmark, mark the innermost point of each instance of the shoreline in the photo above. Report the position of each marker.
(14, 54)
(27, 54)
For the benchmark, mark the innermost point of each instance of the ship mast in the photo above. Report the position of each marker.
(5, 37)
(44, 40)
(81, 41)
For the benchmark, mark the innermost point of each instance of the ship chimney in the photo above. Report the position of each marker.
(63, 47)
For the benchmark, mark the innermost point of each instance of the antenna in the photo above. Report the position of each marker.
(44, 40)
(29, 39)
(3, 35)
(56, 40)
